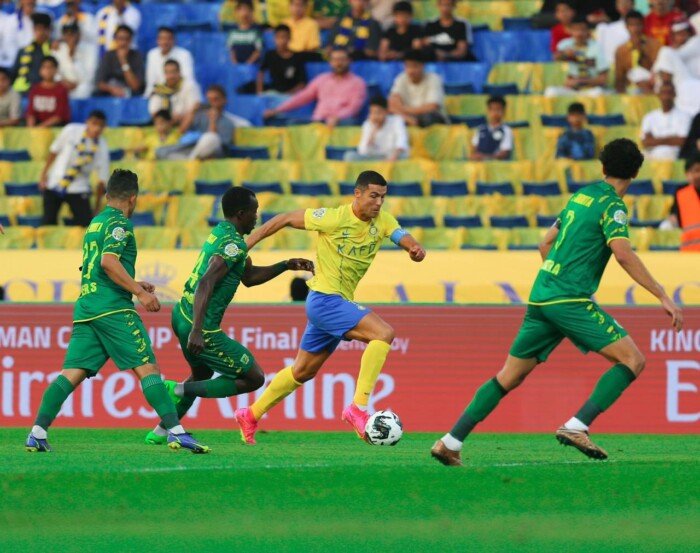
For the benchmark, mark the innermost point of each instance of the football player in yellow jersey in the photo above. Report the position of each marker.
(349, 238)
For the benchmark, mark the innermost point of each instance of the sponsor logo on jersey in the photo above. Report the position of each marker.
(318, 213)
(231, 250)
(620, 217)
(118, 234)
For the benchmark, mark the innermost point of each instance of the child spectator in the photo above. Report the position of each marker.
(357, 32)
(286, 68)
(10, 110)
(564, 13)
(48, 100)
(576, 142)
(29, 58)
(245, 40)
(635, 58)
(494, 140)
(163, 134)
(448, 38)
(384, 136)
(306, 35)
(402, 36)
(658, 21)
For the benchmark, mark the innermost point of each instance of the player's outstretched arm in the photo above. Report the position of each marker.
(294, 219)
(548, 240)
(630, 262)
(216, 270)
(254, 276)
(117, 273)
(412, 246)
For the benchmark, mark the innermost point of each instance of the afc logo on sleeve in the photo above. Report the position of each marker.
(231, 250)
(118, 234)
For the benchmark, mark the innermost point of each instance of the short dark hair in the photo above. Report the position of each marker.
(692, 160)
(51, 60)
(165, 29)
(576, 108)
(235, 199)
(621, 159)
(123, 184)
(342, 49)
(163, 114)
(366, 178)
(414, 55)
(379, 101)
(282, 28)
(217, 88)
(41, 19)
(71, 28)
(634, 14)
(97, 114)
(173, 62)
(569, 3)
(580, 20)
(403, 7)
(125, 28)
(6, 72)
(496, 100)
(244, 4)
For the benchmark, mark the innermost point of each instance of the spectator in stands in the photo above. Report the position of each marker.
(339, 94)
(211, 130)
(78, 151)
(612, 35)
(48, 100)
(494, 140)
(657, 23)
(565, 14)
(382, 11)
(687, 46)
(416, 95)
(84, 20)
(178, 96)
(664, 130)
(402, 36)
(306, 35)
(77, 62)
(286, 68)
(10, 110)
(576, 142)
(245, 39)
(121, 70)
(384, 136)
(357, 32)
(29, 58)
(588, 70)
(685, 213)
(635, 58)
(111, 18)
(164, 51)
(16, 32)
(329, 12)
(448, 38)
(163, 134)
(691, 146)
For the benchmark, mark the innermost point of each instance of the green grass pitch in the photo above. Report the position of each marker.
(104, 490)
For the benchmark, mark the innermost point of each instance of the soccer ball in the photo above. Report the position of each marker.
(384, 428)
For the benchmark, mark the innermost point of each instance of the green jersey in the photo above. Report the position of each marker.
(109, 233)
(225, 242)
(592, 218)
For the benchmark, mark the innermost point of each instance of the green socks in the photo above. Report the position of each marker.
(485, 401)
(158, 398)
(609, 388)
(222, 386)
(54, 396)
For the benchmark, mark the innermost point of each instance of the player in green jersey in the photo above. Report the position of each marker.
(575, 251)
(221, 267)
(105, 323)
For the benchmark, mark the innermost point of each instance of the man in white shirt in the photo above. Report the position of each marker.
(177, 95)
(610, 36)
(109, 18)
(384, 136)
(16, 32)
(166, 50)
(416, 95)
(664, 130)
(79, 150)
(77, 62)
(84, 20)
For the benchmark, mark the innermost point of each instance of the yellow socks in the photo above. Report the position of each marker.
(373, 360)
(279, 388)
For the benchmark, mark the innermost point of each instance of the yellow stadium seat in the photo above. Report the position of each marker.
(425, 10)
(526, 8)
(156, 238)
(466, 104)
(306, 142)
(497, 205)
(641, 238)
(489, 13)
(345, 137)
(525, 145)
(439, 142)
(60, 238)
(413, 170)
(156, 203)
(18, 238)
(125, 138)
(289, 239)
(26, 171)
(633, 107)
(519, 73)
(548, 74)
(354, 168)
(276, 11)
(34, 140)
(280, 203)
(505, 171)
(553, 205)
(223, 169)
(272, 171)
(560, 104)
(526, 238)
(485, 238)
(176, 176)
(666, 240)
(24, 205)
(144, 170)
(653, 208)
(322, 171)
(189, 211)
(194, 237)
(442, 238)
(522, 107)
(269, 137)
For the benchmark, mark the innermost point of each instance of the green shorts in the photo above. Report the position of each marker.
(119, 336)
(545, 326)
(221, 354)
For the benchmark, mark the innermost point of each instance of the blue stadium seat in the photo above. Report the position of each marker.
(509, 221)
(521, 45)
(198, 16)
(575, 186)
(337, 152)
(486, 188)
(29, 220)
(269, 40)
(315, 68)
(638, 223)
(470, 121)
(135, 112)
(405, 189)
(211, 187)
(423, 221)
(143, 219)
(545, 188)
(258, 187)
(252, 152)
(554, 121)
(501, 89)
(536, 45)
(4, 220)
(468, 221)
(310, 188)
(248, 107)
(15, 155)
(116, 155)
(346, 188)
(457, 89)
(448, 188)
(670, 187)
(516, 23)
(158, 14)
(460, 73)
(112, 108)
(546, 221)
(612, 120)
(518, 124)
(22, 189)
(641, 187)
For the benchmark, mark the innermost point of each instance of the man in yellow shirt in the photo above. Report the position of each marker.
(349, 238)
(306, 37)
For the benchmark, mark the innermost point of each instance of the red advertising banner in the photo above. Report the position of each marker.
(440, 356)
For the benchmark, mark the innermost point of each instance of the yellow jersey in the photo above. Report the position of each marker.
(346, 247)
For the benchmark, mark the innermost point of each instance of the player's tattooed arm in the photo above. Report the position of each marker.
(294, 219)
(549, 239)
(253, 276)
(216, 270)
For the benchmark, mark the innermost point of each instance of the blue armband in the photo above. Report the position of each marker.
(397, 235)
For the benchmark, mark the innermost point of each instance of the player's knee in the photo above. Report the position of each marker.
(636, 362)
(256, 378)
(386, 334)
